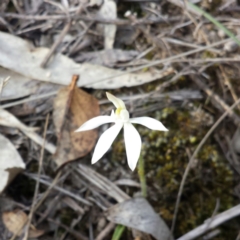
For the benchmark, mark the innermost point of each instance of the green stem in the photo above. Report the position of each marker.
(118, 232)
(141, 174)
(214, 21)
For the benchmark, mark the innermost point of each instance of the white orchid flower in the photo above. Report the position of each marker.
(121, 119)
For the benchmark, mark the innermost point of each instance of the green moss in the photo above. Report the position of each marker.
(166, 158)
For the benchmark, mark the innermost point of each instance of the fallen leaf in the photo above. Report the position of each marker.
(21, 57)
(11, 162)
(37, 105)
(73, 107)
(93, 3)
(20, 86)
(11, 89)
(107, 57)
(137, 213)
(15, 220)
(108, 10)
(105, 185)
(9, 120)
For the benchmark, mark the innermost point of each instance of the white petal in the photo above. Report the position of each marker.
(133, 144)
(124, 114)
(105, 141)
(118, 103)
(112, 114)
(149, 123)
(95, 122)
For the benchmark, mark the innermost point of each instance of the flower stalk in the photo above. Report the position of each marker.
(142, 177)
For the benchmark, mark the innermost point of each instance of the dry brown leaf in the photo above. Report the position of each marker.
(73, 107)
(15, 220)
(21, 57)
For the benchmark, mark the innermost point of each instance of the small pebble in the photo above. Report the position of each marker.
(230, 46)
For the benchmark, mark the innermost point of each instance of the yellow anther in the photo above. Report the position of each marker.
(118, 110)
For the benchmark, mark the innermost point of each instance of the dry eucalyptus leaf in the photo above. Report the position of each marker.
(20, 56)
(108, 10)
(15, 220)
(137, 213)
(37, 105)
(11, 162)
(9, 120)
(72, 108)
(93, 3)
(108, 57)
(15, 87)
(20, 86)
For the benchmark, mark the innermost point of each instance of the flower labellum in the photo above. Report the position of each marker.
(121, 119)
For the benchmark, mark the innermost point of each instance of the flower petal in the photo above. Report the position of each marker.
(112, 114)
(105, 141)
(95, 122)
(149, 123)
(118, 103)
(133, 144)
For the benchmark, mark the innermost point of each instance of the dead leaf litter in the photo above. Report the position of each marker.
(175, 61)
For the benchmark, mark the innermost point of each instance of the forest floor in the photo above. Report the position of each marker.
(175, 61)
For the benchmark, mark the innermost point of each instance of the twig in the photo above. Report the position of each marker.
(9, 28)
(187, 44)
(56, 44)
(75, 233)
(63, 33)
(32, 98)
(40, 202)
(102, 183)
(62, 190)
(80, 37)
(38, 182)
(227, 112)
(165, 60)
(216, 221)
(228, 83)
(216, 98)
(119, 22)
(105, 231)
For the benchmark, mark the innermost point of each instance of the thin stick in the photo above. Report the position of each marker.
(61, 190)
(38, 182)
(216, 221)
(165, 60)
(228, 83)
(40, 202)
(90, 18)
(29, 99)
(105, 231)
(217, 99)
(56, 44)
(228, 111)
